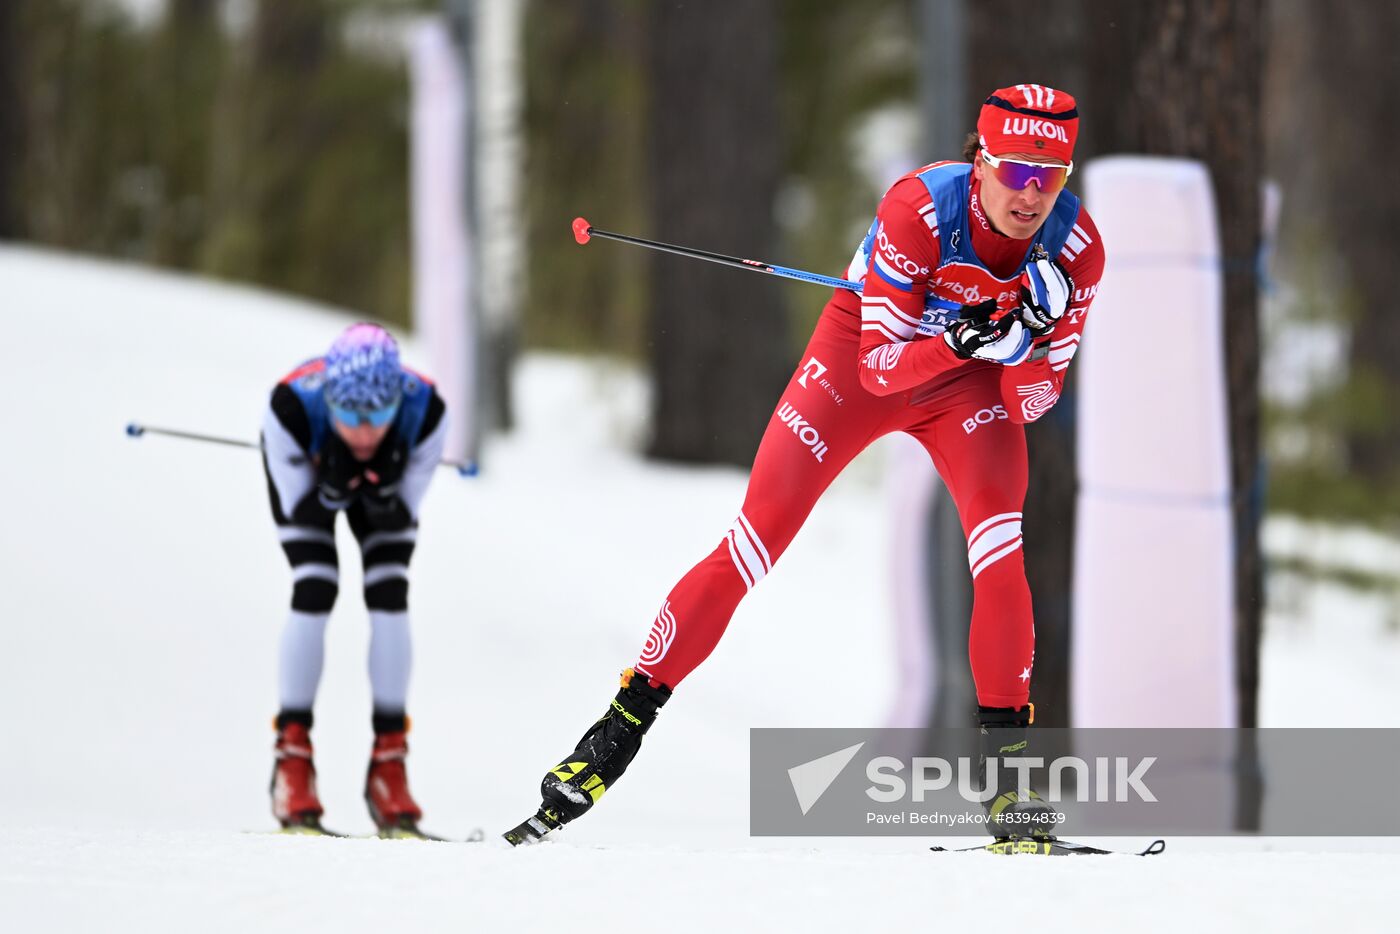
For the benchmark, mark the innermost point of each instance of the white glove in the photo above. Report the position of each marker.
(1045, 293)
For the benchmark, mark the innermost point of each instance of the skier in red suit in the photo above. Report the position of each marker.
(1000, 236)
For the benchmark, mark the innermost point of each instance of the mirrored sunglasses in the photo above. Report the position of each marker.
(1016, 175)
(376, 417)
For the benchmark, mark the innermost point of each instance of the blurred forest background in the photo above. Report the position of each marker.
(266, 141)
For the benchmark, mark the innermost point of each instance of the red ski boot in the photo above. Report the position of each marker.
(294, 800)
(391, 805)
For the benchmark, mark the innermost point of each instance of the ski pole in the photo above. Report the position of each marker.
(583, 231)
(136, 430)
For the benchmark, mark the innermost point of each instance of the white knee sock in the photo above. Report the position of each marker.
(390, 659)
(303, 653)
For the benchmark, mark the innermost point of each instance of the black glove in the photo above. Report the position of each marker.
(383, 506)
(337, 474)
(975, 335)
(384, 470)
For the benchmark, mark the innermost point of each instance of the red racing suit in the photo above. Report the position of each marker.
(878, 363)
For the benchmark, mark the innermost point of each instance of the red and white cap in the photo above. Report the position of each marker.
(1029, 118)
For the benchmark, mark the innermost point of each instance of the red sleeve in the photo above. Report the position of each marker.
(897, 275)
(1031, 389)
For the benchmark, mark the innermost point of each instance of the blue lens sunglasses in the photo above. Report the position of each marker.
(376, 417)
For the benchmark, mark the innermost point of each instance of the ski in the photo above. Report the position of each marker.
(307, 826)
(1049, 847)
(477, 835)
(533, 829)
(404, 829)
(408, 830)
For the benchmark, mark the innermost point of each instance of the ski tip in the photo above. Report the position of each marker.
(582, 229)
(532, 830)
(524, 835)
(406, 833)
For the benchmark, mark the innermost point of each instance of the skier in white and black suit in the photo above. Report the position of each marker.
(357, 432)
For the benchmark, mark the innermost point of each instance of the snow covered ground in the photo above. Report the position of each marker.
(144, 591)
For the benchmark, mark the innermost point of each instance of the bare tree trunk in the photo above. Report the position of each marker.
(185, 59)
(264, 139)
(720, 341)
(289, 42)
(1190, 76)
(11, 159)
(586, 154)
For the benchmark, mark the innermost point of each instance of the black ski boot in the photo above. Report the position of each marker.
(602, 755)
(1010, 815)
